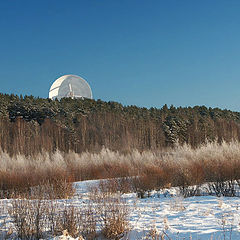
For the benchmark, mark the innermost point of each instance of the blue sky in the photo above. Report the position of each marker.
(137, 52)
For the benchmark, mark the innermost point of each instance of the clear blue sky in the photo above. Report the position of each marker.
(137, 52)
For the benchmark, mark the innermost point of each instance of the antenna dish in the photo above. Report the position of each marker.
(71, 86)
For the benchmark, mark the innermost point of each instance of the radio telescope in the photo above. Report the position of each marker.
(71, 86)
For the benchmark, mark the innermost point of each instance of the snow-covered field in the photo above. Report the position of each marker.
(201, 217)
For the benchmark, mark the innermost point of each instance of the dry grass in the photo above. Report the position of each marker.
(181, 166)
(40, 219)
(111, 209)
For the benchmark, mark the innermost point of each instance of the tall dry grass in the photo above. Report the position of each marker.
(179, 166)
(104, 214)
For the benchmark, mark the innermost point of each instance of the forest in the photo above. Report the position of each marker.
(30, 125)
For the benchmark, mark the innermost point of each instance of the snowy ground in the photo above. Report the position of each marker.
(203, 217)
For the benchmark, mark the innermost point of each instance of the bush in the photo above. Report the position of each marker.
(111, 210)
(181, 166)
(29, 217)
(35, 219)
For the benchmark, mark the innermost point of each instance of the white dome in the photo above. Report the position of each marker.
(70, 86)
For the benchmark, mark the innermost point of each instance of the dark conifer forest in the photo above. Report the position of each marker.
(31, 125)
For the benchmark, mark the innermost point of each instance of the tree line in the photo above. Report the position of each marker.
(30, 125)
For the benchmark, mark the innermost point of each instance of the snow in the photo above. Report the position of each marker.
(200, 217)
(196, 216)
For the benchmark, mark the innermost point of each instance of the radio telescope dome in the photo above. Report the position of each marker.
(71, 86)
